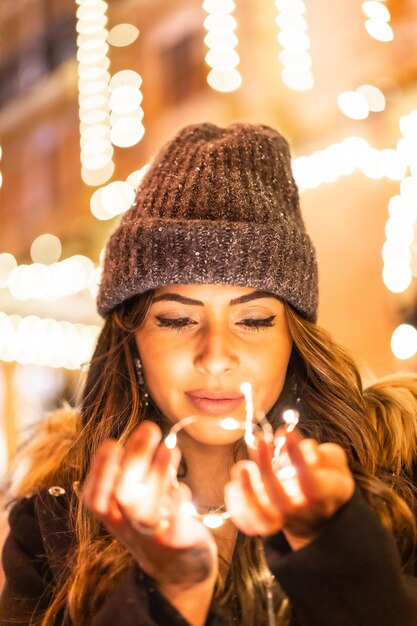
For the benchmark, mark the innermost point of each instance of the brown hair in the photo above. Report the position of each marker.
(333, 407)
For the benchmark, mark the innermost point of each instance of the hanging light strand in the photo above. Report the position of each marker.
(378, 18)
(295, 43)
(221, 41)
(46, 341)
(93, 85)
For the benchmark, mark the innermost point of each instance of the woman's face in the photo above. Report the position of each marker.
(198, 343)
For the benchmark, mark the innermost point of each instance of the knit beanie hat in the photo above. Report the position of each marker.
(217, 205)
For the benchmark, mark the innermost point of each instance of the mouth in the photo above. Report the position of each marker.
(215, 402)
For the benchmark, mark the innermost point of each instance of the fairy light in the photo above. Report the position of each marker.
(404, 342)
(126, 110)
(281, 462)
(221, 41)
(402, 215)
(7, 264)
(46, 341)
(295, 42)
(377, 24)
(117, 197)
(343, 158)
(122, 35)
(374, 97)
(46, 249)
(46, 282)
(93, 84)
(246, 389)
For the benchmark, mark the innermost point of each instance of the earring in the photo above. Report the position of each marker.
(141, 381)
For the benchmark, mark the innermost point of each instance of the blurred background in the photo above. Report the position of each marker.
(90, 89)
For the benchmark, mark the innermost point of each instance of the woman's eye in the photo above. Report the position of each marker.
(258, 323)
(175, 322)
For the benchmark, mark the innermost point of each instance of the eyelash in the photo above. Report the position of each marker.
(181, 323)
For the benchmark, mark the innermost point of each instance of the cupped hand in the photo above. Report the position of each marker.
(260, 503)
(131, 492)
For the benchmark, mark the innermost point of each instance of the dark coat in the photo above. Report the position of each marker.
(350, 576)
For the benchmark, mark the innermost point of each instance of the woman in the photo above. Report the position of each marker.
(211, 281)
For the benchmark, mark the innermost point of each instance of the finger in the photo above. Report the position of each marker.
(249, 477)
(333, 456)
(136, 462)
(273, 487)
(157, 502)
(101, 480)
(304, 457)
(245, 510)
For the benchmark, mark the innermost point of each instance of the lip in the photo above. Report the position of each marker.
(215, 402)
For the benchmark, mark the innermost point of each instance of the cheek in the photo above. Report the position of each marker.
(272, 371)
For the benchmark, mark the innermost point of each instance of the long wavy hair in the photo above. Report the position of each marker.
(333, 407)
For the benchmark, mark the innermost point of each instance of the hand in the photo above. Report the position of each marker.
(262, 504)
(127, 489)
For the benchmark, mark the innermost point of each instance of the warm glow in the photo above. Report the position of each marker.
(224, 80)
(221, 41)
(93, 62)
(7, 264)
(122, 35)
(46, 249)
(404, 341)
(374, 97)
(353, 104)
(379, 30)
(295, 43)
(127, 132)
(376, 10)
(46, 341)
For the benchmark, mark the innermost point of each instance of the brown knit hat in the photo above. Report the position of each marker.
(217, 205)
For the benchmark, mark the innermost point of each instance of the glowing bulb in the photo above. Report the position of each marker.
(122, 35)
(291, 418)
(229, 423)
(212, 520)
(380, 30)
(353, 105)
(404, 341)
(224, 80)
(171, 441)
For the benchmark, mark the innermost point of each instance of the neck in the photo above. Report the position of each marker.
(208, 470)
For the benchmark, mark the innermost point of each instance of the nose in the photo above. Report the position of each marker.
(216, 353)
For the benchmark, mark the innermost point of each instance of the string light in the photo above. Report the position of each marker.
(126, 110)
(252, 424)
(377, 24)
(402, 210)
(295, 42)
(122, 35)
(93, 84)
(116, 197)
(47, 282)
(404, 341)
(343, 158)
(221, 41)
(46, 341)
(46, 249)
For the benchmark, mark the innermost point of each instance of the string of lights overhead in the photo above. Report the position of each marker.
(221, 41)
(93, 85)
(377, 25)
(295, 43)
(46, 341)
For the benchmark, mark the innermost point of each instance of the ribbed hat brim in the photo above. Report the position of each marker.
(149, 253)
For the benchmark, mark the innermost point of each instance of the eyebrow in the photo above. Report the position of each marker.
(175, 297)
